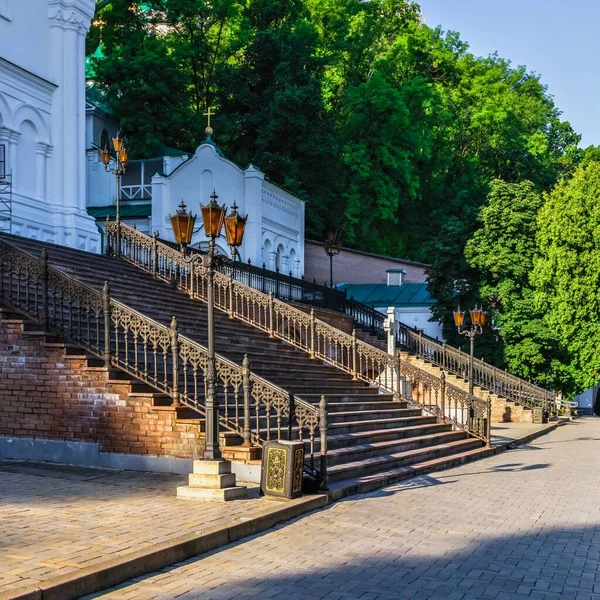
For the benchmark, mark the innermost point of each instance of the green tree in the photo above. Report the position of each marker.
(141, 79)
(566, 275)
(503, 251)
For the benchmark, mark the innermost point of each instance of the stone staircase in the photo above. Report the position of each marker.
(503, 410)
(373, 438)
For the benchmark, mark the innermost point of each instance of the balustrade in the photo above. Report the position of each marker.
(160, 356)
(303, 330)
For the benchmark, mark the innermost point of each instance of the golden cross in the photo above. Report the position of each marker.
(209, 115)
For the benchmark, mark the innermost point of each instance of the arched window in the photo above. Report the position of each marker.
(26, 160)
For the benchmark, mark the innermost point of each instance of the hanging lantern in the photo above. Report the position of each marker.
(459, 317)
(483, 318)
(476, 315)
(117, 142)
(105, 155)
(213, 216)
(183, 225)
(234, 227)
(123, 156)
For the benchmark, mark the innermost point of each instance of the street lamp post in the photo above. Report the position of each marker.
(478, 321)
(121, 163)
(214, 218)
(332, 247)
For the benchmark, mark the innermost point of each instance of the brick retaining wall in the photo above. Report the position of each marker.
(47, 394)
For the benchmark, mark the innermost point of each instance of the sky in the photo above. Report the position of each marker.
(558, 39)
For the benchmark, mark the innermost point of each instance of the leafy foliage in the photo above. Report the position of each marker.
(566, 273)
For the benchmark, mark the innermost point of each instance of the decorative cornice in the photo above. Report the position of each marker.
(36, 86)
(71, 14)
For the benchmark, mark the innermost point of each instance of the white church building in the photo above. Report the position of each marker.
(42, 121)
(53, 186)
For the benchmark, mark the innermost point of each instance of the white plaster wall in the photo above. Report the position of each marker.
(282, 230)
(586, 400)
(25, 35)
(42, 117)
(417, 316)
(194, 181)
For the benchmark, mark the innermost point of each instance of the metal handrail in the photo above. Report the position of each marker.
(485, 376)
(155, 354)
(286, 322)
(452, 360)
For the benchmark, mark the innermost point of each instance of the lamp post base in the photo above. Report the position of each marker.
(212, 480)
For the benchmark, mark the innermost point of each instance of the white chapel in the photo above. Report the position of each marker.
(42, 121)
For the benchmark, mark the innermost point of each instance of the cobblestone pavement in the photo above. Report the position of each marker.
(56, 519)
(522, 524)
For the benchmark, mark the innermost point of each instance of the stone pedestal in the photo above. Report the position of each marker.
(212, 480)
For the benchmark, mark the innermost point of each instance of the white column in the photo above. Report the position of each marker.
(41, 150)
(390, 328)
(285, 265)
(160, 204)
(251, 249)
(69, 22)
(272, 264)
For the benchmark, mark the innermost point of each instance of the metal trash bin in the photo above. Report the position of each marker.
(282, 468)
(538, 416)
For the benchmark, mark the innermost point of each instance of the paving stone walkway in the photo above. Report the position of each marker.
(57, 519)
(522, 524)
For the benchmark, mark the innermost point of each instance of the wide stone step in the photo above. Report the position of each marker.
(360, 452)
(372, 415)
(380, 424)
(373, 436)
(401, 459)
(385, 476)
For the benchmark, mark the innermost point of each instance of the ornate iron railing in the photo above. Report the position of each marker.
(284, 287)
(157, 355)
(485, 376)
(303, 330)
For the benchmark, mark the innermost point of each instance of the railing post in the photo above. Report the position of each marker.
(106, 237)
(354, 356)
(247, 416)
(44, 276)
(323, 433)
(107, 323)
(155, 253)
(271, 315)
(443, 394)
(230, 288)
(175, 354)
(488, 425)
(397, 377)
(312, 333)
(292, 415)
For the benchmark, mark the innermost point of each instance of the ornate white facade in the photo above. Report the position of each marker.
(42, 118)
(275, 228)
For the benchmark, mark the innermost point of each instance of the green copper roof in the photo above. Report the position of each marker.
(132, 211)
(90, 71)
(380, 294)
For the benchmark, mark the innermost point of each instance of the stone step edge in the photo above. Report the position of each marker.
(351, 487)
(158, 556)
